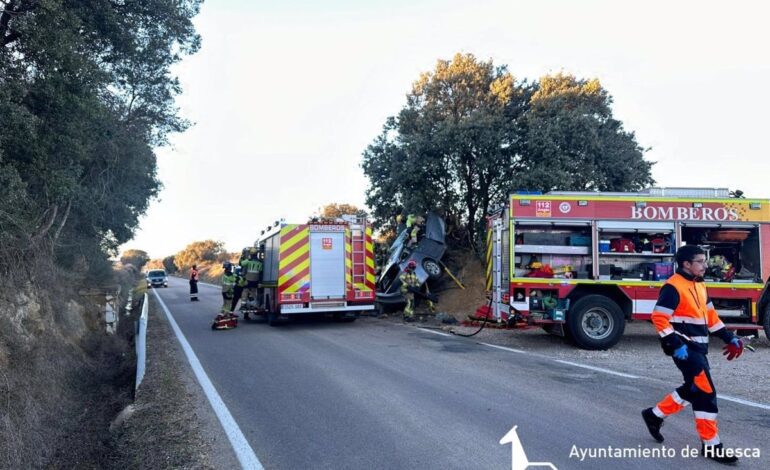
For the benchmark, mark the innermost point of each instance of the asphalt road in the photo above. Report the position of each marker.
(374, 394)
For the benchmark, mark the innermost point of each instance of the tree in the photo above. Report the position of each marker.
(154, 264)
(197, 252)
(573, 143)
(470, 134)
(137, 258)
(86, 92)
(335, 210)
(452, 147)
(169, 265)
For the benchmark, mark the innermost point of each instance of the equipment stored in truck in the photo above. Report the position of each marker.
(581, 264)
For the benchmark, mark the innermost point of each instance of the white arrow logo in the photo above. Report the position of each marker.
(519, 459)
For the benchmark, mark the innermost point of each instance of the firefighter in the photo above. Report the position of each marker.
(226, 318)
(409, 283)
(684, 317)
(252, 271)
(240, 285)
(194, 283)
(414, 229)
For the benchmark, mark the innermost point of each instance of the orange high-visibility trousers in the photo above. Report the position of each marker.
(698, 390)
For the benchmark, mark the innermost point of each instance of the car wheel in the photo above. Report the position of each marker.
(595, 322)
(432, 268)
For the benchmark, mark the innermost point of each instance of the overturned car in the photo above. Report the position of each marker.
(426, 253)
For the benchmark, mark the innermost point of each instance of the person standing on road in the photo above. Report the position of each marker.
(409, 283)
(252, 271)
(226, 319)
(194, 283)
(684, 317)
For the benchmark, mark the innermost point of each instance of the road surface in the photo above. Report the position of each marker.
(374, 394)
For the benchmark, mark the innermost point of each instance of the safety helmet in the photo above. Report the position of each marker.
(412, 264)
(253, 250)
(227, 265)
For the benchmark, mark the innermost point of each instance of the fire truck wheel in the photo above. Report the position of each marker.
(595, 322)
(766, 321)
(432, 268)
(272, 319)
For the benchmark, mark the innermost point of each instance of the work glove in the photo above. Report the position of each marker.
(733, 350)
(681, 352)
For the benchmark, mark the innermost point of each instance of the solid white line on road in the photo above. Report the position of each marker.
(519, 351)
(600, 369)
(744, 402)
(243, 450)
(597, 369)
(434, 332)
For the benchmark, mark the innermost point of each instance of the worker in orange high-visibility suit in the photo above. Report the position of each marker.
(685, 317)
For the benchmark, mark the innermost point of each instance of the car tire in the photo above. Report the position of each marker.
(432, 268)
(595, 322)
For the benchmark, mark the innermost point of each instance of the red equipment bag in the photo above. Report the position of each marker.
(622, 245)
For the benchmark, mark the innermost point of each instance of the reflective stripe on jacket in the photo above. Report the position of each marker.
(408, 280)
(684, 314)
(228, 282)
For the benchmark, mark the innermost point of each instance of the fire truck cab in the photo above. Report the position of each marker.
(581, 264)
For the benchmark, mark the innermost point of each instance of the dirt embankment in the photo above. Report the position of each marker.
(62, 378)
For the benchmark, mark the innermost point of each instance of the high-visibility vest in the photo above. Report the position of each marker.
(694, 316)
(228, 282)
(252, 267)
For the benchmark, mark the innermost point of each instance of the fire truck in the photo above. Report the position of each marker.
(321, 267)
(581, 264)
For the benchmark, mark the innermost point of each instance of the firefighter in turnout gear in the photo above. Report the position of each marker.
(240, 285)
(409, 283)
(684, 317)
(226, 318)
(252, 271)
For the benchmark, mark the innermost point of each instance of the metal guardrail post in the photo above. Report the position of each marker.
(141, 343)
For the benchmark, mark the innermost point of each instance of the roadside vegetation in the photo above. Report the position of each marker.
(86, 95)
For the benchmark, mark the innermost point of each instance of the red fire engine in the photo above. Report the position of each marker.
(320, 267)
(582, 264)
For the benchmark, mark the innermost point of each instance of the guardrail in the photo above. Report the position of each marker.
(141, 343)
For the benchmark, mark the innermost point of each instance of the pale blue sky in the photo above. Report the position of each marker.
(287, 94)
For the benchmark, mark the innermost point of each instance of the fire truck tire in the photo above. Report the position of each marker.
(272, 318)
(432, 268)
(766, 321)
(595, 322)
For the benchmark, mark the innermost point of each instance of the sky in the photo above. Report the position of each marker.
(286, 95)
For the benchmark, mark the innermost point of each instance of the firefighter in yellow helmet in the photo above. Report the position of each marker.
(409, 284)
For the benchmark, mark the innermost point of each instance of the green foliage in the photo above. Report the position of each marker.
(574, 144)
(470, 133)
(85, 93)
(198, 252)
(335, 210)
(169, 265)
(138, 258)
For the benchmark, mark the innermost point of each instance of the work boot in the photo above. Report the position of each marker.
(653, 424)
(408, 318)
(718, 453)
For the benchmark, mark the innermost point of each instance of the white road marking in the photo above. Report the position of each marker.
(743, 402)
(434, 332)
(597, 369)
(243, 450)
(519, 351)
